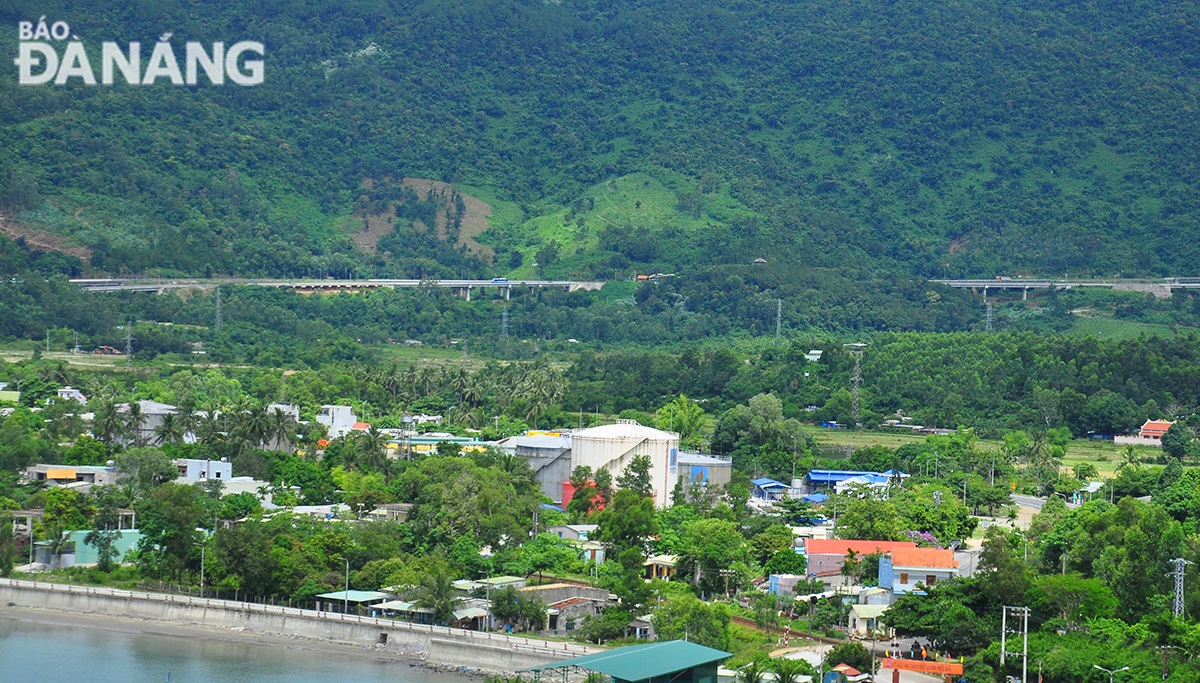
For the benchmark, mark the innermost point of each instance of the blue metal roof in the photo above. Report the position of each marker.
(765, 483)
(834, 476)
(815, 498)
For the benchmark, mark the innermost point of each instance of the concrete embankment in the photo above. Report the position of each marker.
(434, 645)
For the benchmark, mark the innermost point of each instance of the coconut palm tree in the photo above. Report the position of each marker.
(169, 431)
(281, 430)
(135, 422)
(437, 593)
(371, 447)
(108, 422)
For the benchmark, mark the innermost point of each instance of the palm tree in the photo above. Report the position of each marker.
(281, 430)
(210, 426)
(437, 593)
(371, 447)
(135, 421)
(107, 423)
(170, 431)
(187, 414)
(750, 673)
(789, 670)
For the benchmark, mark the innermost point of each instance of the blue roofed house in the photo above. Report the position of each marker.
(769, 490)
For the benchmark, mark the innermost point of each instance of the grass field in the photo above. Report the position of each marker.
(1105, 455)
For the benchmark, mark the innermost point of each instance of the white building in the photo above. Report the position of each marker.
(338, 420)
(192, 471)
(71, 394)
(613, 447)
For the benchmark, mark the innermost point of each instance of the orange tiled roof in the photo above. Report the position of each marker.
(837, 546)
(934, 558)
(1156, 427)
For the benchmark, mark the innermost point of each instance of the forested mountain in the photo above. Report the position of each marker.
(862, 137)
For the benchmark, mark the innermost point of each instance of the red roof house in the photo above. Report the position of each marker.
(826, 556)
(1155, 429)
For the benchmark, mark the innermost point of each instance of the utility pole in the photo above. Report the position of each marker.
(217, 306)
(1021, 613)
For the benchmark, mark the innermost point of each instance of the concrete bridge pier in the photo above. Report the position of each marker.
(1025, 294)
(507, 293)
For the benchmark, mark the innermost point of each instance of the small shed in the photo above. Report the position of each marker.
(347, 601)
(769, 489)
(661, 567)
(669, 661)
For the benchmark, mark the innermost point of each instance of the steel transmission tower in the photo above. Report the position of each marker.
(1177, 602)
(217, 306)
(989, 316)
(778, 318)
(856, 350)
(504, 322)
(129, 343)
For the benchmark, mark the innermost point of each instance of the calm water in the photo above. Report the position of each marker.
(67, 654)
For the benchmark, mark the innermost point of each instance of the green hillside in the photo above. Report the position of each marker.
(620, 137)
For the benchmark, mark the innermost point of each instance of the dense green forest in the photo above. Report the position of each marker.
(903, 139)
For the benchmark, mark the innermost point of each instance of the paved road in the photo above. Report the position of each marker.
(159, 285)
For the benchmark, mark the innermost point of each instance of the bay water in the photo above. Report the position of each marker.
(68, 653)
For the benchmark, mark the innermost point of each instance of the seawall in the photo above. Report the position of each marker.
(437, 645)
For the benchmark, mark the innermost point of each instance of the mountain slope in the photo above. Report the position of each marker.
(930, 139)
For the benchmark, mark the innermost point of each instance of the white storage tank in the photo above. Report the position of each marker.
(613, 447)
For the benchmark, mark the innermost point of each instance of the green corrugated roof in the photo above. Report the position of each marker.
(639, 662)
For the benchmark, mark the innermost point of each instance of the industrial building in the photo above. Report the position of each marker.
(613, 447)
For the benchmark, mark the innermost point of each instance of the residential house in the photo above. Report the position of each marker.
(338, 420)
(911, 570)
(864, 619)
(661, 567)
(826, 557)
(574, 532)
(192, 471)
(71, 394)
(81, 477)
